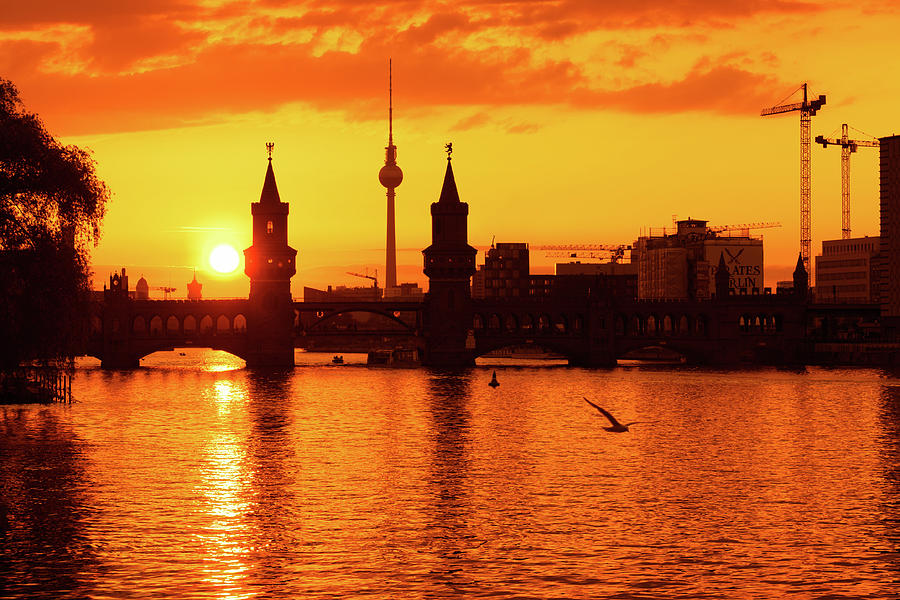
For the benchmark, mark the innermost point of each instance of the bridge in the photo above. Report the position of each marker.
(448, 328)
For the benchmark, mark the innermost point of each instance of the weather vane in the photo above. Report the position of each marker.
(270, 146)
(449, 149)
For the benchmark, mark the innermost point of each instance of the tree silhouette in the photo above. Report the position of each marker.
(51, 207)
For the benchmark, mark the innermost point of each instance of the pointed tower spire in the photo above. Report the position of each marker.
(390, 103)
(270, 188)
(448, 190)
(801, 278)
(800, 269)
(723, 278)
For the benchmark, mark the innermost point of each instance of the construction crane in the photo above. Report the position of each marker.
(615, 252)
(166, 290)
(847, 146)
(808, 109)
(367, 276)
(744, 227)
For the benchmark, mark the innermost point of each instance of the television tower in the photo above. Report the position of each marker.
(390, 177)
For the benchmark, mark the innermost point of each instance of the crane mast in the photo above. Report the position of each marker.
(808, 109)
(847, 146)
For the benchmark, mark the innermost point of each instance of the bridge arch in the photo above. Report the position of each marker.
(206, 325)
(637, 325)
(162, 345)
(668, 325)
(156, 325)
(239, 325)
(701, 326)
(561, 324)
(223, 324)
(189, 325)
(325, 318)
(650, 351)
(527, 323)
(759, 323)
(173, 326)
(553, 345)
(139, 325)
(477, 322)
(510, 323)
(652, 325)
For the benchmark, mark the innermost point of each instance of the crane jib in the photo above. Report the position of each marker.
(811, 107)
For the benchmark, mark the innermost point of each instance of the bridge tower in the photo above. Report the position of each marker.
(117, 352)
(449, 264)
(723, 279)
(270, 263)
(801, 279)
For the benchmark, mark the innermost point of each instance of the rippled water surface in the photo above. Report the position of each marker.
(191, 478)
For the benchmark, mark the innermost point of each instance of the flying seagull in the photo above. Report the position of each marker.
(616, 426)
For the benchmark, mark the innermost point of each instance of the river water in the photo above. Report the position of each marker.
(195, 478)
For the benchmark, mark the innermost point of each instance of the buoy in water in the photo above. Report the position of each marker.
(494, 382)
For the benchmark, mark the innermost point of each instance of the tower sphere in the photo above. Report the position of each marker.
(390, 176)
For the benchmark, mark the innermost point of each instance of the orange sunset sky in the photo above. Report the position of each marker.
(572, 121)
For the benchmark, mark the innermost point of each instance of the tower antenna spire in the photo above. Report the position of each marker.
(269, 147)
(390, 103)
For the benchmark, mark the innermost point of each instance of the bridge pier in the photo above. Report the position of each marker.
(594, 357)
(450, 359)
(119, 361)
(270, 355)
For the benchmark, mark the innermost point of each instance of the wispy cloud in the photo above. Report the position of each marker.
(190, 229)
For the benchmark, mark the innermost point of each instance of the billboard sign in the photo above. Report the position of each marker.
(743, 261)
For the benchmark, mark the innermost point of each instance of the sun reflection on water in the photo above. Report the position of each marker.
(225, 488)
(349, 482)
(219, 362)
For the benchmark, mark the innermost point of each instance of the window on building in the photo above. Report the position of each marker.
(270, 227)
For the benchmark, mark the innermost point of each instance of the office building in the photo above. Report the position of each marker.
(846, 271)
(681, 265)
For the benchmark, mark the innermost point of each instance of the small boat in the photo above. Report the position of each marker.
(338, 360)
(494, 383)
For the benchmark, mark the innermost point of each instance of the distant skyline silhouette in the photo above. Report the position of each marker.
(593, 121)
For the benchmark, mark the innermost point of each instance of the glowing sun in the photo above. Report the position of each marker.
(224, 258)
